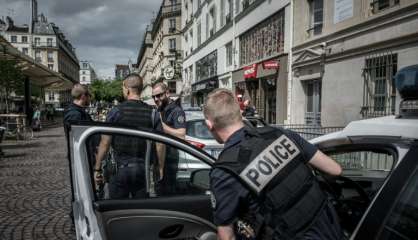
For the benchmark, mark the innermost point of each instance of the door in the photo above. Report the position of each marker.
(134, 201)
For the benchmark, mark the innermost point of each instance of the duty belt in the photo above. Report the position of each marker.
(128, 165)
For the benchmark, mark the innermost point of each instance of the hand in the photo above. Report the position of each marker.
(98, 178)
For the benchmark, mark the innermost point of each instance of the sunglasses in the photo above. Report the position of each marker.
(157, 95)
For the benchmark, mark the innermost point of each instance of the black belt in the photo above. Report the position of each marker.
(128, 165)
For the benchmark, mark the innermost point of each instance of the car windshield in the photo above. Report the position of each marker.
(198, 129)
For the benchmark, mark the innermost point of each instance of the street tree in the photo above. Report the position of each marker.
(11, 79)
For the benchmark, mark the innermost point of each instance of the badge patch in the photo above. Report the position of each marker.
(213, 200)
(180, 119)
(269, 163)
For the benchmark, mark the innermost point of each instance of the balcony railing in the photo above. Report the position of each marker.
(44, 44)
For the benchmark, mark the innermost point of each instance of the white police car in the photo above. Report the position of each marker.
(376, 198)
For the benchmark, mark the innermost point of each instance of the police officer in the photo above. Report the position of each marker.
(76, 111)
(262, 186)
(173, 122)
(129, 152)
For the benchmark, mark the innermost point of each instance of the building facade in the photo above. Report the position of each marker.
(160, 55)
(241, 45)
(87, 73)
(121, 71)
(345, 54)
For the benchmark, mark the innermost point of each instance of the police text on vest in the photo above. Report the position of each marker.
(269, 162)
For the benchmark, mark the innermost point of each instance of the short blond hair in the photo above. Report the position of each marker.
(222, 108)
(161, 85)
(79, 90)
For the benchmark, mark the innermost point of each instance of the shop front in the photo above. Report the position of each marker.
(206, 78)
(265, 84)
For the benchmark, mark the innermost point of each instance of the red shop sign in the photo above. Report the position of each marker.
(250, 71)
(271, 64)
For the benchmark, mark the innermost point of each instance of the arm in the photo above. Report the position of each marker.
(179, 132)
(226, 233)
(325, 164)
(161, 157)
(101, 152)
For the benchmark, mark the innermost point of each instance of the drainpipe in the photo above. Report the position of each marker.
(289, 68)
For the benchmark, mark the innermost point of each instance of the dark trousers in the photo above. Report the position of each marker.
(128, 182)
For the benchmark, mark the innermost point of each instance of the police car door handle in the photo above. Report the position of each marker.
(171, 231)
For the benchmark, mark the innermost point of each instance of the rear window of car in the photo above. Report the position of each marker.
(198, 129)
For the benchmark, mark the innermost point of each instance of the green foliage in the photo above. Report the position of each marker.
(11, 77)
(107, 90)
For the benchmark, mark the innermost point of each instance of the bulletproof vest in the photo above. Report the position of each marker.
(136, 114)
(271, 165)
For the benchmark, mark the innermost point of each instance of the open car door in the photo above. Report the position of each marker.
(183, 213)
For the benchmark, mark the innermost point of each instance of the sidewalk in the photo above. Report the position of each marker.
(35, 192)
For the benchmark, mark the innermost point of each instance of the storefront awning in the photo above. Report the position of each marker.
(37, 73)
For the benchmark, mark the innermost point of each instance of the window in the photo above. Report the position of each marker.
(264, 40)
(378, 5)
(229, 11)
(24, 39)
(51, 96)
(13, 39)
(199, 34)
(222, 22)
(49, 42)
(316, 11)
(379, 92)
(212, 28)
(85, 65)
(172, 87)
(84, 72)
(172, 44)
(172, 25)
(50, 56)
(51, 66)
(207, 26)
(37, 41)
(84, 78)
(403, 220)
(38, 56)
(228, 48)
(206, 67)
(25, 51)
(313, 103)
(172, 63)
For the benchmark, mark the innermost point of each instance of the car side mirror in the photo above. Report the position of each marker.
(200, 179)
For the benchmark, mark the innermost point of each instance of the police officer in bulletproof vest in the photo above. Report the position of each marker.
(262, 183)
(129, 152)
(173, 122)
(76, 110)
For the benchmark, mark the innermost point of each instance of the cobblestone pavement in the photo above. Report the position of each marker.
(35, 192)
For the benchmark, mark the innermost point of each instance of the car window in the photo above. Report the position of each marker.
(368, 168)
(402, 223)
(198, 129)
(130, 168)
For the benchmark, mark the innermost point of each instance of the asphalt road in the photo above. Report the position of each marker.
(35, 192)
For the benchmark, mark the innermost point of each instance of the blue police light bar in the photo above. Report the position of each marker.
(406, 81)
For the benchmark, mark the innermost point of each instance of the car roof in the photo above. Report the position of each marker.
(389, 126)
(194, 115)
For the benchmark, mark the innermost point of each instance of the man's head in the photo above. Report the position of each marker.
(246, 102)
(222, 112)
(132, 86)
(160, 95)
(81, 95)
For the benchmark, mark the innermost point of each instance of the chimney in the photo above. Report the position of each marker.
(34, 13)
